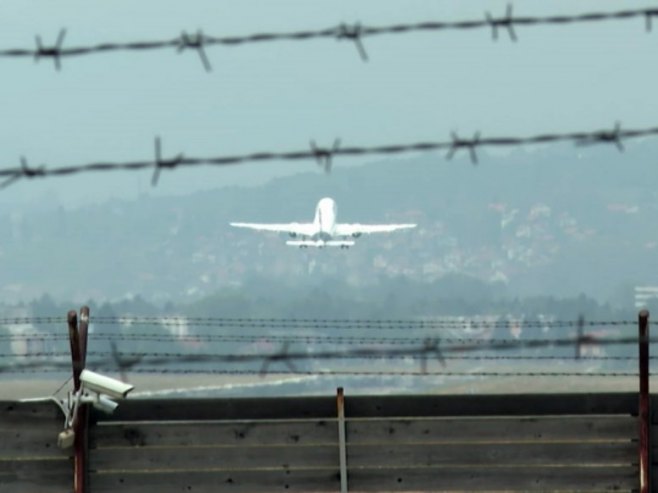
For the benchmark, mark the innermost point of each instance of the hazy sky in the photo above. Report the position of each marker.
(278, 96)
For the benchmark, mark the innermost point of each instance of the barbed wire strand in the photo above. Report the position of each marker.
(324, 156)
(184, 371)
(351, 32)
(372, 354)
(429, 347)
(393, 324)
(312, 339)
(459, 345)
(353, 323)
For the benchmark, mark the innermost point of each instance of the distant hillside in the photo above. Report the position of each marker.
(555, 221)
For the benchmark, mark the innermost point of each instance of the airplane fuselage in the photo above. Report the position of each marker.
(325, 220)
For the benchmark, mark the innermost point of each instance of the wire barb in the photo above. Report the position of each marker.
(51, 51)
(431, 346)
(163, 163)
(280, 356)
(123, 364)
(506, 22)
(469, 144)
(606, 136)
(353, 33)
(648, 19)
(24, 171)
(196, 42)
(324, 156)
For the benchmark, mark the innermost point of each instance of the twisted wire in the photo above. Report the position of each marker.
(351, 32)
(324, 155)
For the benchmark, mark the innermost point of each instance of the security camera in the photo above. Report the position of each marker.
(104, 404)
(96, 382)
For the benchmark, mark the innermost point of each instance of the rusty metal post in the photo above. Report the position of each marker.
(78, 340)
(83, 330)
(644, 415)
(74, 339)
(342, 445)
(82, 423)
(580, 335)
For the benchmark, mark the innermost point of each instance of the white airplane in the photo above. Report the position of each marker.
(324, 230)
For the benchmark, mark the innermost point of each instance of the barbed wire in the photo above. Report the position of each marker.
(419, 349)
(312, 339)
(394, 373)
(324, 156)
(351, 32)
(340, 324)
(210, 371)
(166, 357)
(379, 324)
(429, 347)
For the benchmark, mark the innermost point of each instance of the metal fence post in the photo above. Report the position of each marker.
(342, 445)
(74, 339)
(644, 415)
(78, 341)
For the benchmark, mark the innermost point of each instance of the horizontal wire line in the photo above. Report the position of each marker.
(586, 340)
(429, 349)
(393, 324)
(323, 156)
(343, 31)
(179, 371)
(202, 357)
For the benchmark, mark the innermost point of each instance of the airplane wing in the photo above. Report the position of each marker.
(357, 229)
(303, 229)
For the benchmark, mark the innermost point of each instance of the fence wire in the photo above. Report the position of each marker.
(408, 350)
(376, 373)
(167, 357)
(319, 323)
(354, 33)
(324, 156)
(422, 344)
(459, 343)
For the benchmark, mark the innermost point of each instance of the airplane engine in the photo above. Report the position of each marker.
(356, 235)
(293, 235)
